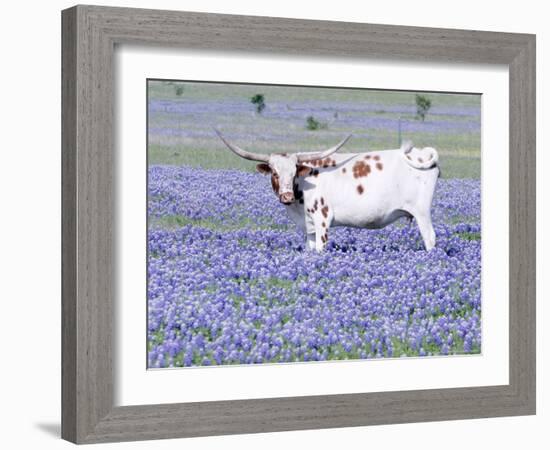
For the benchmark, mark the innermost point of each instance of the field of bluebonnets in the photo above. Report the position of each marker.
(229, 279)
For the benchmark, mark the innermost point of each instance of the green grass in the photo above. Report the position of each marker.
(452, 165)
(214, 91)
(187, 138)
(177, 221)
(459, 167)
(468, 236)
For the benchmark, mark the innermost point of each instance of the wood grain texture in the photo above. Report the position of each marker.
(89, 36)
(522, 224)
(68, 226)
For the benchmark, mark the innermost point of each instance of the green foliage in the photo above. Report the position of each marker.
(470, 236)
(259, 101)
(179, 91)
(423, 105)
(313, 124)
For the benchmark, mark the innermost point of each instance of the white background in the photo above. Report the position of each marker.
(136, 386)
(30, 225)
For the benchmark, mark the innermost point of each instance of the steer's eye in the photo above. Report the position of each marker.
(275, 175)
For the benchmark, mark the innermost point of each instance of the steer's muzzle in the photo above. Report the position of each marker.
(287, 198)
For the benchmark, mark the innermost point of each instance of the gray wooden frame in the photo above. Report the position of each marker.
(89, 36)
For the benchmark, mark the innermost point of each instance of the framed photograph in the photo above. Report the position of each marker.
(268, 230)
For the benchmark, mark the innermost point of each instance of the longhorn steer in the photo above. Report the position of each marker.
(368, 190)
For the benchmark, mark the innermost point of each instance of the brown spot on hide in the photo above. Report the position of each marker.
(360, 169)
(275, 182)
(420, 160)
(408, 157)
(315, 205)
(324, 210)
(376, 157)
(379, 166)
(367, 156)
(344, 170)
(322, 201)
(431, 156)
(360, 189)
(327, 162)
(324, 225)
(302, 171)
(323, 239)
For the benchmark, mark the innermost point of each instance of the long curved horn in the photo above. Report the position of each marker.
(306, 157)
(243, 153)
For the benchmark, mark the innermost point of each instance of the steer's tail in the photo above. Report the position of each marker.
(420, 158)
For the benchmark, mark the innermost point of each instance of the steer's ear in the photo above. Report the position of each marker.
(263, 168)
(302, 171)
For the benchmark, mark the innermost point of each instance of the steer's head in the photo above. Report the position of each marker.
(283, 167)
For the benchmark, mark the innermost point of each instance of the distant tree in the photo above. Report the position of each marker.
(259, 102)
(179, 91)
(313, 124)
(423, 105)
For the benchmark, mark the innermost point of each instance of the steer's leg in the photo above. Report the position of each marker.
(318, 238)
(309, 225)
(321, 239)
(318, 219)
(310, 238)
(322, 220)
(426, 228)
